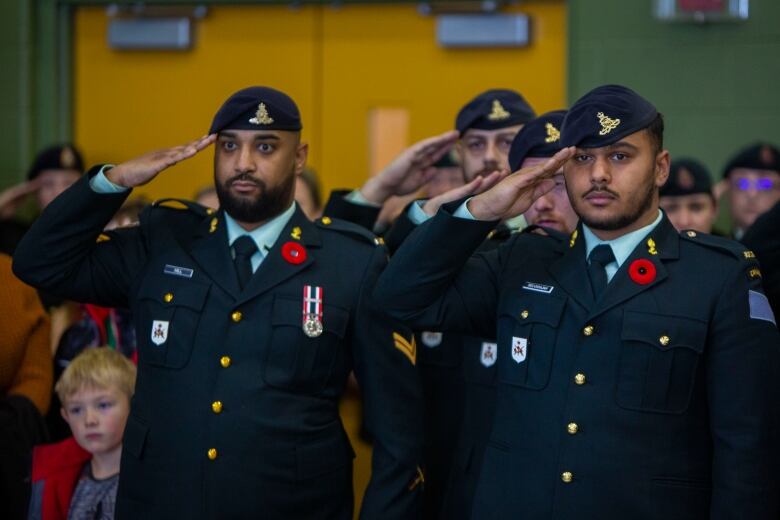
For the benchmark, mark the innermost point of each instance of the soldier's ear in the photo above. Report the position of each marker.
(662, 162)
(301, 154)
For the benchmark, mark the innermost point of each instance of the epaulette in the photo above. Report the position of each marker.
(183, 205)
(725, 245)
(349, 228)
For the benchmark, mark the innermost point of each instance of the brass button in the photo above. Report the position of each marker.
(212, 453)
(588, 330)
(216, 406)
(572, 428)
(168, 297)
(236, 316)
(566, 476)
(579, 379)
(225, 361)
(664, 340)
(210, 211)
(691, 233)
(524, 314)
(326, 220)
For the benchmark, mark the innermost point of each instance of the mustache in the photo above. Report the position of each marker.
(245, 177)
(600, 189)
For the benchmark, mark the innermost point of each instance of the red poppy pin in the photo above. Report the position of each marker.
(642, 271)
(294, 253)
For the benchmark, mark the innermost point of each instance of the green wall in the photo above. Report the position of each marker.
(717, 84)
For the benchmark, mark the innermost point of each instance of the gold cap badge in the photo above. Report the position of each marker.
(553, 134)
(261, 117)
(607, 123)
(498, 112)
(67, 158)
(685, 179)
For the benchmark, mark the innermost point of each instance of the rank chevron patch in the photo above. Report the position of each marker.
(408, 349)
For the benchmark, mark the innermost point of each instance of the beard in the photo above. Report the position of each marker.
(268, 204)
(620, 221)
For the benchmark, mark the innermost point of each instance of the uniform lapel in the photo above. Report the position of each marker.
(275, 269)
(623, 287)
(570, 271)
(211, 251)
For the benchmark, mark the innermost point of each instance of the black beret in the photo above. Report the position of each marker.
(494, 109)
(604, 116)
(257, 108)
(540, 137)
(59, 157)
(758, 156)
(686, 177)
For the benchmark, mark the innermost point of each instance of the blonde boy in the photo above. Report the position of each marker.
(78, 477)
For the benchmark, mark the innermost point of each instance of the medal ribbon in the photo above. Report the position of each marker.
(312, 303)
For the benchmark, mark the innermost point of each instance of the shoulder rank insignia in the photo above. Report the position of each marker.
(607, 123)
(651, 247)
(261, 117)
(553, 134)
(407, 349)
(573, 239)
(213, 225)
(102, 237)
(498, 112)
(755, 273)
(749, 254)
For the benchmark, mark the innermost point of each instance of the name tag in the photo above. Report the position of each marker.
(175, 270)
(538, 287)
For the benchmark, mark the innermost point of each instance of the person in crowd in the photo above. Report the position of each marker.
(250, 320)
(78, 477)
(610, 342)
(687, 197)
(308, 194)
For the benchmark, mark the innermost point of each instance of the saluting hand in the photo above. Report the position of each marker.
(141, 170)
(409, 171)
(517, 192)
(11, 198)
(477, 185)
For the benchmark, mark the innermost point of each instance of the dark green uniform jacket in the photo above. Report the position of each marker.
(658, 401)
(235, 413)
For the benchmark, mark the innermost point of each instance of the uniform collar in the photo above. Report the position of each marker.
(264, 236)
(621, 246)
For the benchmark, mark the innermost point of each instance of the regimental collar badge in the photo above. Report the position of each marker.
(607, 123)
(296, 233)
(498, 112)
(651, 247)
(685, 179)
(553, 134)
(67, 158)
(573, 239)
(261, 117)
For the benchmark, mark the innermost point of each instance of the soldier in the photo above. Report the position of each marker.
(249, 320)
(638, 367)
(752, 181)
(484, 130)
(687, 197)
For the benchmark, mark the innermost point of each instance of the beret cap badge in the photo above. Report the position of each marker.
(607, 123)
(498, 112)
(261, 117)
(553, 134)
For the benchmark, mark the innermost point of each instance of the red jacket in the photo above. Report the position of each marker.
(55, 471)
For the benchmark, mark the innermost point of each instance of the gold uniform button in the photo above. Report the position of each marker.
(216, 406)
(566, 476)
(579, 379)
(572, 428)
(524, 314)
(212, 453)
(168, 297)
(691, 233)
(236, 316)
(664, 340)
(588, 330)
(326, 220)
(225, 361)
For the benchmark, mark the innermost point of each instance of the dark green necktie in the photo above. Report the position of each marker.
(598, 259)
(244, 247)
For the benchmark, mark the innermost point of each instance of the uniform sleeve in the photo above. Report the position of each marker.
(65, 252)
(339, 205)
(743, 377)
(436, 282)
(385, 356)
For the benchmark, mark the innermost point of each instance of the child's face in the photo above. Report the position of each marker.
(97, 418)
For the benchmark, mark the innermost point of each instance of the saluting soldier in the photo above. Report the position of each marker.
(638, 369)
(249, 321)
